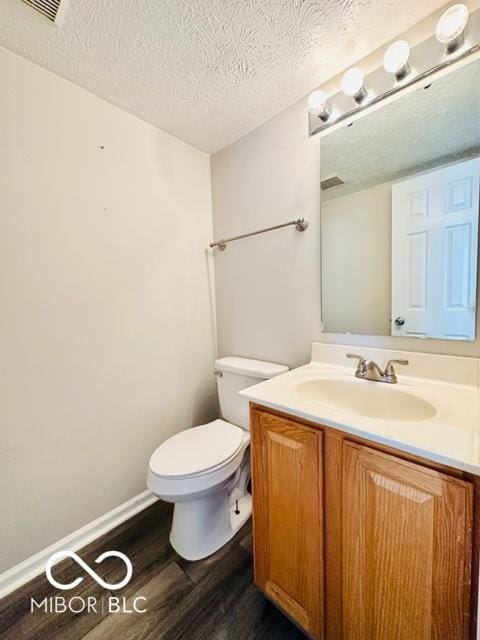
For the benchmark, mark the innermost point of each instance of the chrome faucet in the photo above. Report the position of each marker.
(369, 370)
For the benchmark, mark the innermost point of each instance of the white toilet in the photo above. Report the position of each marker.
(205, 470)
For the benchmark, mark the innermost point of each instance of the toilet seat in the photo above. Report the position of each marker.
(197, 451)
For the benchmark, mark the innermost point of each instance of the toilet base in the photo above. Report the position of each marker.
(202, 526)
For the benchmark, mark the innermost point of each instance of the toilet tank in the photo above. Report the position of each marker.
(233, 375)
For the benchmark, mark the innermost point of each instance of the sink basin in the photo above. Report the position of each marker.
(365, 398)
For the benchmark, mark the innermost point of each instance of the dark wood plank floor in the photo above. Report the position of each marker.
(212, 599)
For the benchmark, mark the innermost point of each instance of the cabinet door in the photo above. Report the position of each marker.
(407, 539)
(287, 517)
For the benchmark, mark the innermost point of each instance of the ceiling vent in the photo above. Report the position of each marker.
(328, 183)
(48, 8)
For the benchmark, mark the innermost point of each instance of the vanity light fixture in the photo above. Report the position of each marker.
(318, 105)
(450, 30)
(403, 66)
(396, 58)
(352, 84)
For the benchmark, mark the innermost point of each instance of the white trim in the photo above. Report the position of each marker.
(35, 565)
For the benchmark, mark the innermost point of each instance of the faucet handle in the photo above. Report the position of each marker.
(390, 371)
(396, 361)
(361, 368)
(354, 355)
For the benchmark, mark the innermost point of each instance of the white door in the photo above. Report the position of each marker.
(434, 253)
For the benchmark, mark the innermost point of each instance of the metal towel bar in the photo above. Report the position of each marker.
(300, 224)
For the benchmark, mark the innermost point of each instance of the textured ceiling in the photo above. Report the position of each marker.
(206, 71)
(416, 132)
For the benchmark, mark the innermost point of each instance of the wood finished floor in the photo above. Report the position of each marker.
(212, 599)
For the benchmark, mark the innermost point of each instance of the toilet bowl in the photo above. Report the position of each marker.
(205, 470)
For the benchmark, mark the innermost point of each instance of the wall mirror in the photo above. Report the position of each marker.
(399, 214)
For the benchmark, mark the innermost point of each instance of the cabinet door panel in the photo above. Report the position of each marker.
(407, 537)
(287, 511)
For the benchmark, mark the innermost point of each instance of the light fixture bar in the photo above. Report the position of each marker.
(422, 62)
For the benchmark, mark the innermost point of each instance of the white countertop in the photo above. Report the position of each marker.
(451, 437)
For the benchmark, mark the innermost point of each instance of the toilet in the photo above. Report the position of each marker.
(205, 470)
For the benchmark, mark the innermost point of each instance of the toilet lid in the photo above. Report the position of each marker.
(196, 450)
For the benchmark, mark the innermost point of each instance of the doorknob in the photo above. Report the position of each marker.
(399, 321)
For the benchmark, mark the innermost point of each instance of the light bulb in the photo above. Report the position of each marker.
(451, 27)
(352, 84)
(318, 105)
(396, 57)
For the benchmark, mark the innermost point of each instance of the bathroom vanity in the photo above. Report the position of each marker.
(366, 528)
(366, 494)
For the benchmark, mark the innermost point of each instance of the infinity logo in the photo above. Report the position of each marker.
(60, 555)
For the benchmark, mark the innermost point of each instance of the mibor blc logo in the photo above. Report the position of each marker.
(89, 604)
(60, 555)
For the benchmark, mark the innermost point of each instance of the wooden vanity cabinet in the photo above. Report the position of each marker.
(355, 542)
(287, 461)
(406, 549)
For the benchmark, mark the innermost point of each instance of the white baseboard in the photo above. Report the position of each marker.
(35, 565)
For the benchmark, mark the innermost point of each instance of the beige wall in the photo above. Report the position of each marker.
(268, 287)
(356, 270)
(106, 323)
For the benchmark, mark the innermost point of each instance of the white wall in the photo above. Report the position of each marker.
(268, 287)
(356, 250)
(106, 322)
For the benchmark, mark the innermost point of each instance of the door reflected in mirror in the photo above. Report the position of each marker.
(399, 215)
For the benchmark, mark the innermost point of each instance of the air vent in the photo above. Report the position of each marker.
(48, 8)
(328, 183)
